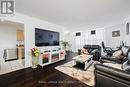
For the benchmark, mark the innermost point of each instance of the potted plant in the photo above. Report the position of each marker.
(65, 45)
(35, 55)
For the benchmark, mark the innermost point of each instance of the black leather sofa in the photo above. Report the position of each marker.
(106, 76)
(125, 50)
(94, 50)
(126, 64)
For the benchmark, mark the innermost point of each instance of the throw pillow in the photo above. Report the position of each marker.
(117, 54)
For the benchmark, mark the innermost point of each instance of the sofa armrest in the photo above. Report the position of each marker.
(124, 59)
(111, 77)
(94, 51)
(110, 60)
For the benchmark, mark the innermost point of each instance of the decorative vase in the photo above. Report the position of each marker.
(34, 61)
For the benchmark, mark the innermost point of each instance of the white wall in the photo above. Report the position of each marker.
(30, 24)
(7, 36)
(114, 41)
(127, 37)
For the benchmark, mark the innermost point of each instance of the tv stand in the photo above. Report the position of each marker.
(49, 57)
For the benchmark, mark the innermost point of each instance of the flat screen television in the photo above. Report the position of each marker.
(46, 37)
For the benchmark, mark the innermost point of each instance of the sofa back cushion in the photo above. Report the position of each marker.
(125, 50)
(90, 48)
(126, 64)
(129, 58)
(117, 54)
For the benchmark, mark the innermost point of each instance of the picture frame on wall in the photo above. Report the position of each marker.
(116, 33)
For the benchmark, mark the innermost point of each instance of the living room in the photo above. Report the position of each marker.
(54, 36)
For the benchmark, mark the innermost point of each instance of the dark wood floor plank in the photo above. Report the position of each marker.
(47, 76)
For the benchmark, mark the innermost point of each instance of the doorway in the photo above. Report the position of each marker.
(12, 49)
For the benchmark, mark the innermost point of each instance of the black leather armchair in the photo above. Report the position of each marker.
(125, 50)
(108, 50)
(94, 50)
(126, 65)
(106, 76)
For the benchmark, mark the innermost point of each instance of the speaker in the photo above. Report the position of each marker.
(93, 32)
(127, 28)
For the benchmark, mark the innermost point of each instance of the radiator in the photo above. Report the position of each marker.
(10, 54)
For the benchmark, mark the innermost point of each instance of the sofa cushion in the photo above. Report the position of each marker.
(129, 58)
(126, 66)
(114, 65)
(125, 50)
(117, 54)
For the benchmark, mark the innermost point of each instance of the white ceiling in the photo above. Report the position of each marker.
(76, 13)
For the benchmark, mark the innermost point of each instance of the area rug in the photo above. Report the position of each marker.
(86, 76)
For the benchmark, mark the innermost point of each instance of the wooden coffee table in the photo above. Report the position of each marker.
(84, 59)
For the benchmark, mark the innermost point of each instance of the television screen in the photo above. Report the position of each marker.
(46, 38)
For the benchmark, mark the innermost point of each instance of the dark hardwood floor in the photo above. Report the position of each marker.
(41, 77)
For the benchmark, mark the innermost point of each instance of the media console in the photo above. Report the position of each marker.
(49, 57)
